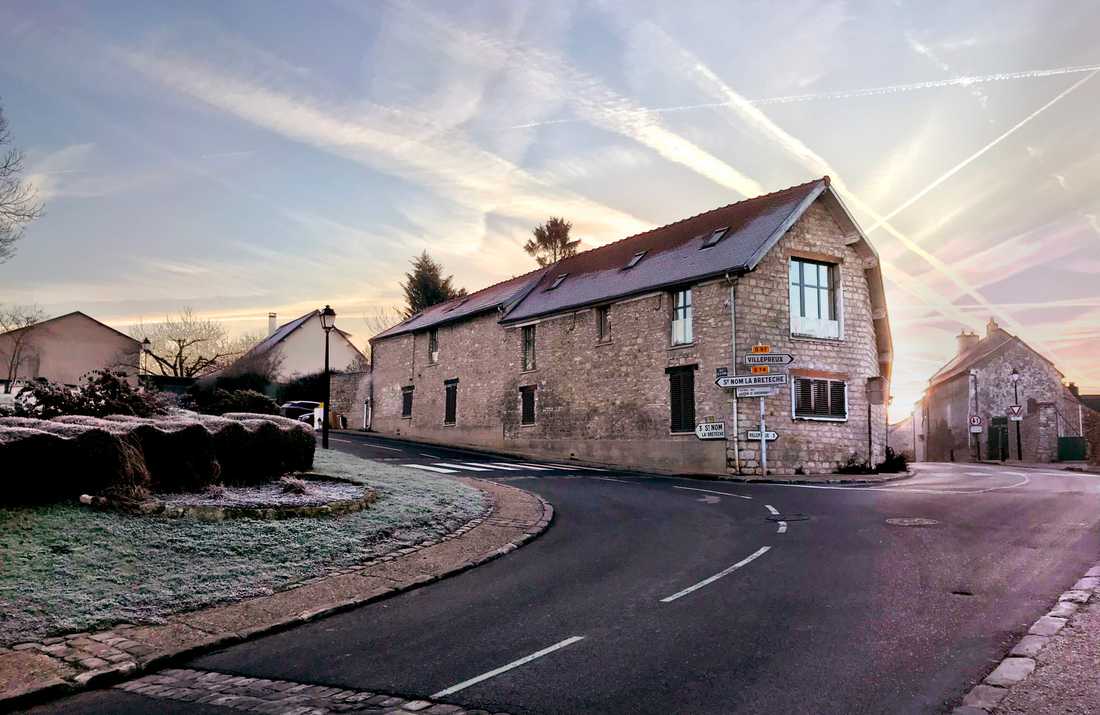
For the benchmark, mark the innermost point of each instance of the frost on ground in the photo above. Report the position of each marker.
(68, 568)
(271, 494)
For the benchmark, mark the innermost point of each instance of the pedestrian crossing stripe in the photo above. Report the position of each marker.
(536, 467)
(575, 466)
(430, 468)
(465, 466)
(494, 466)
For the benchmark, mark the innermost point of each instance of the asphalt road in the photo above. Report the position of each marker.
(837, 610)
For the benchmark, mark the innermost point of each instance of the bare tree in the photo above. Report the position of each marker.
(18, 202)
(17, 339)
(189, 346)
(551, 242)
(266, 363)
(383, 318)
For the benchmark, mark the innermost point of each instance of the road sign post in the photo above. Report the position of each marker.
(763, 442)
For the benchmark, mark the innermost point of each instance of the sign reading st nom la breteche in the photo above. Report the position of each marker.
(752, 380)
(710, 430)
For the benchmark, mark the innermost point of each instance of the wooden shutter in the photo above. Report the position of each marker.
(821, 398)
(681, 392)
(838, 406)
(804, 401)
(451, 405)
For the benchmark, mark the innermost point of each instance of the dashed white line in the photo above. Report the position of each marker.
(901, 490)
(711, 491)
(775, 512)
(464, 467)
(536, 467)
(494, 466)
(574, 466)
(430, 468)
(726, 572)
(375, 446)
(613, 479)
(504, 668)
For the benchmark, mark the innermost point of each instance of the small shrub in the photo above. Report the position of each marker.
(854, 466)
(306, 387)
(104, 392)
(294, 485)
(223, 401)
(894, 462)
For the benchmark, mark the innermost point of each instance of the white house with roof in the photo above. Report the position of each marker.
(297, 348)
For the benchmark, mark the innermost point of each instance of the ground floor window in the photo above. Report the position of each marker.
(820, 399)
(450, 407)
(527, 405)
(681, 394)
(407, 401)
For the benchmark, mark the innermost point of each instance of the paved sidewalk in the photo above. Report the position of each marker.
(1048, 466)
(55, 666)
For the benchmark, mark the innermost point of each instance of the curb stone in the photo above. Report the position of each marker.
(1020, 662)
(81, 661)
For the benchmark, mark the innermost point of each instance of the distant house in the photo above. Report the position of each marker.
(297, 348)
(64, 349)
(975, 389)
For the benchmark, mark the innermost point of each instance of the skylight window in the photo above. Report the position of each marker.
(558, 281)
(457, 305)
(635, 260)
(715, 236)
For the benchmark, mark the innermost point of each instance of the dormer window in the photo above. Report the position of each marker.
(635, 259)
(715, 236)
(558, 281)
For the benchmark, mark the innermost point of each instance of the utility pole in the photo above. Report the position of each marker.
(1015, 377)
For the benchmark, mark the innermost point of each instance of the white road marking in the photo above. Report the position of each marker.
(494, 466)
(462, 466)
(612, 479)
(429, 468)
(536, 467)
(504, 668)
(711, 491)
(782, 524)
(900, 490)
(432, 456)
(574, 466)
(757, 554)
(375, 446)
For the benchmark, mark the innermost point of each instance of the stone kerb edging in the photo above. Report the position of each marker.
(55, 666)
(1020, 661)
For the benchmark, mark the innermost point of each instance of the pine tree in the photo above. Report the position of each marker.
(425, 285)
(551, 242)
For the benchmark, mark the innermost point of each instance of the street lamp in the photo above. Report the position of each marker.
(328, 322)
(1015, 377)
(146, 344)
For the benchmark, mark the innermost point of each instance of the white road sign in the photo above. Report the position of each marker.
(752, 380)
(756, 391)
(754, 434)
(1016, 413)
(710, 430)
(769, 359)
(975, 420)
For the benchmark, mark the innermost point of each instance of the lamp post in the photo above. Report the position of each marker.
(146, 344)
(1015, 377)
(328, 322)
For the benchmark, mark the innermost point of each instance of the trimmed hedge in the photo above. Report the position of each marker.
(126, 457)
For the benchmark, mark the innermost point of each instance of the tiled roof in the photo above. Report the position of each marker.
(984, 348)
(283, 331)
(499, 294)
(672, 254)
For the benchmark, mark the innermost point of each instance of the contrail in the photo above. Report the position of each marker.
(965, 162)
(965, 81)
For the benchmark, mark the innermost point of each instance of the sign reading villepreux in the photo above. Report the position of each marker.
(752, 380)
(755, 434)
(769, 359)
(710, 430)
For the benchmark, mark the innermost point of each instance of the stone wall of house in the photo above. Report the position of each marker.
(1092, 434)
(349, 393)
(763, 315)
(946, 411)
(608, 402)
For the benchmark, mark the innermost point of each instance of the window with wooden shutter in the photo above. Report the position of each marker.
(681, 393)
(527, 404)
(819, 399)
(450, 407)
(407, 401)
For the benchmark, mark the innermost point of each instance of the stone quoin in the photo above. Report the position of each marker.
(611, 355)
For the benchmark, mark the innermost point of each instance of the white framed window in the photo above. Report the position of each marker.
(814, 299)
(681, 317)
(819, 399)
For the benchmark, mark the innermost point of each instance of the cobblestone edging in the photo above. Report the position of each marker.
(62, 664)
(1020, 661)
(281, 697)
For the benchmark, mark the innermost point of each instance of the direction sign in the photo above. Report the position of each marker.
(752, 380)
(710, 430)
(754, 434)
(769, 359)
(1016, 413)
(756, 391)
(760, 370)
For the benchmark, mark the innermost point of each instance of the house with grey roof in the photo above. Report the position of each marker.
(611, 355)
(297, 348)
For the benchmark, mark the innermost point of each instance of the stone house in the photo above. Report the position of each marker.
(979, 381)
(297, 348)
(65, 349)
(611, 355)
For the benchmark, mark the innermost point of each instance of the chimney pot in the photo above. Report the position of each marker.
(967, 340)
(272, 324)
(1074, 389)
(991, 327)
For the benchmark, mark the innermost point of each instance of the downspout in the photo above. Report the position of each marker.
(732, 281)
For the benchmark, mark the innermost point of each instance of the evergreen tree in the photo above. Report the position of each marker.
(425, 285)
(551, 242)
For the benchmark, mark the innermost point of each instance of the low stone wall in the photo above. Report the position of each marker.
(350, 392)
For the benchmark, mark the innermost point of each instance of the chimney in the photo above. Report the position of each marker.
(991, 327)
(271, 324)
(967, 340)
(1074, 389)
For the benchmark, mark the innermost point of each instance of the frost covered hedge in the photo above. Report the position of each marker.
(126, 457)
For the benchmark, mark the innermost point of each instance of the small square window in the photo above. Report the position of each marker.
(558, 281)
(715, 236)
(635, 259)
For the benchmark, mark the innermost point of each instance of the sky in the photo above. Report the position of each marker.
(246, 157)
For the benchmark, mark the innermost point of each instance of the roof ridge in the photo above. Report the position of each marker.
(824, 178)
